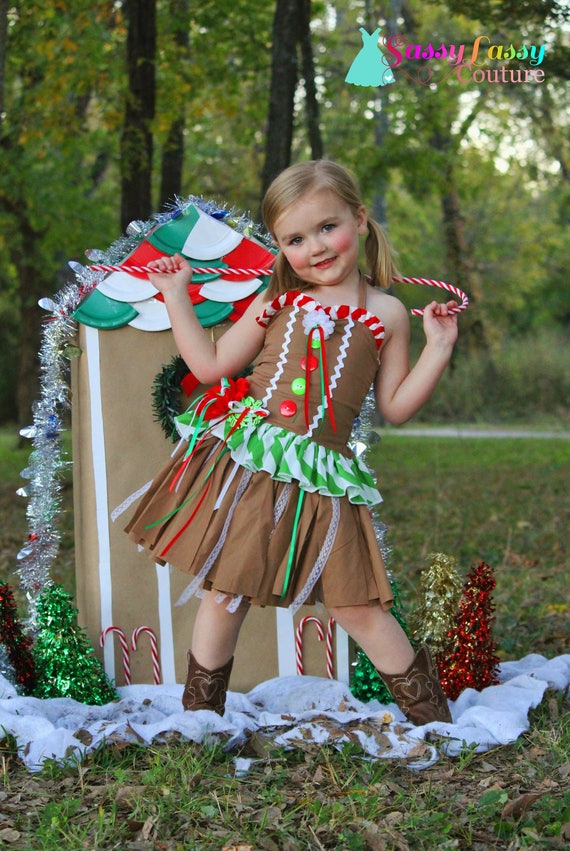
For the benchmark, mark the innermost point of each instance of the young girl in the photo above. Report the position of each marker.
(270, 506)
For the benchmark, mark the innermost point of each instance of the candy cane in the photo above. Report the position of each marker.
(153, 649)
(255, 273)
(199, 270)
(299, 639)
(430, 282)
(330, 666)
(124, 648)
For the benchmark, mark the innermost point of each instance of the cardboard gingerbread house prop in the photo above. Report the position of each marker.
(126, 604)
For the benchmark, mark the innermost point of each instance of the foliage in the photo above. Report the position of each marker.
(507, 145)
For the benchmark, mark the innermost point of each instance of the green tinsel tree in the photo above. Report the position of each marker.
(366, 683)
(65, 662)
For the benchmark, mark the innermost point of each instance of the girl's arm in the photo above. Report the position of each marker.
(207, 359)
(401, 392)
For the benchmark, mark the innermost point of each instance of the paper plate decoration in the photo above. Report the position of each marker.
(200, 233)
(153, 316)
(100, 311)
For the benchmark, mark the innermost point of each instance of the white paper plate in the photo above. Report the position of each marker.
(124, 287)
(230, 290)
(210, 239)
(153, 316)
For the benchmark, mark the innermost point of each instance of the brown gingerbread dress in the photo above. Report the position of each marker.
(264, 500)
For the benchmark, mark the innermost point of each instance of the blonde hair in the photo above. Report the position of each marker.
(295, 182)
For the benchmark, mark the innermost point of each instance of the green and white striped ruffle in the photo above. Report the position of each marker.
(287, 457)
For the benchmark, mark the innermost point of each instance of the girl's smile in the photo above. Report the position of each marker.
(319, 236)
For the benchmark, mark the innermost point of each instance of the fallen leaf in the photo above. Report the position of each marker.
(147, 828)
(128, 794)
(9, 835)
(84, 736)
(520, 805)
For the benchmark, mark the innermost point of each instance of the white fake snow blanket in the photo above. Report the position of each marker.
(292, 711)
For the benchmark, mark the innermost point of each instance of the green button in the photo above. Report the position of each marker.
(298, 386)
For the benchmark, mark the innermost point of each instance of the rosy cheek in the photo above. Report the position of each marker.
(343, 242)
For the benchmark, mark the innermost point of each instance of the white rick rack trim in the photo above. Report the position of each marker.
(283, 356)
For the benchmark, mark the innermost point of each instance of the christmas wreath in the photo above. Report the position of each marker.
(167, 393)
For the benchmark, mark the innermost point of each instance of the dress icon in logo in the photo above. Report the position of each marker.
(370, 66)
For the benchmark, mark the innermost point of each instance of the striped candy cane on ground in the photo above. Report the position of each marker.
(299, 639)
(256, 273)
(153, 649)
(330, 663)
(124, 648)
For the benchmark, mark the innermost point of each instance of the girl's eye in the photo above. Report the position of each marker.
(297, 240)
(328, 227)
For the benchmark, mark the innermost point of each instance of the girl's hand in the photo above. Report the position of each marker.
(172, 275)
(440, 326)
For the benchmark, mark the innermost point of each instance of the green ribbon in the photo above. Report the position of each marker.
(292, 545)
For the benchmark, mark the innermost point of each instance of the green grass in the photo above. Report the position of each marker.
(502, 501)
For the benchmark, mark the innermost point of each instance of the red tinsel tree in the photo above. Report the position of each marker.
(18, 645)
(470, 659)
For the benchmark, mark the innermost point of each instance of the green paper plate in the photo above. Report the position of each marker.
(212, 313)
(99, 311)
(171, 236)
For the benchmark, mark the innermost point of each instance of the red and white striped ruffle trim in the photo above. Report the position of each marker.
(339, 311)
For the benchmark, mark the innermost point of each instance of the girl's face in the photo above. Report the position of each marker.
(319, 236)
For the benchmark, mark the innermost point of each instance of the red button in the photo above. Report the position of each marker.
(288, 408)
(313, 363)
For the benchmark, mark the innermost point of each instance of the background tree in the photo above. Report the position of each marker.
(472, 177)
(137, 133)
(291, 32)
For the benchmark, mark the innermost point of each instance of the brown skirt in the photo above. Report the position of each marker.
(232, 529)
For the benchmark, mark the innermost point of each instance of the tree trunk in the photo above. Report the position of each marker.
(31, 287)
(172, 162)
(460, 261)
(4, 6)
(284, 73)
(308, 67)
(136, 138)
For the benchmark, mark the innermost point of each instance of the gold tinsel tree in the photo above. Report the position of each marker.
(440, 592)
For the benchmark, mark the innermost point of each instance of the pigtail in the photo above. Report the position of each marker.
(380, 256)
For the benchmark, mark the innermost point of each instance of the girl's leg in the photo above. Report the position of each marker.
(379, 634)
(210, 661)
(412, 679)
(216, 631)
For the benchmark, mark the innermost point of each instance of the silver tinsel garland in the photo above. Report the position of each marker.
(6, 667)
(362, 437)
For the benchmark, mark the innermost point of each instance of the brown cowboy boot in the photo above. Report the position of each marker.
(418, 691)
(206, 689)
